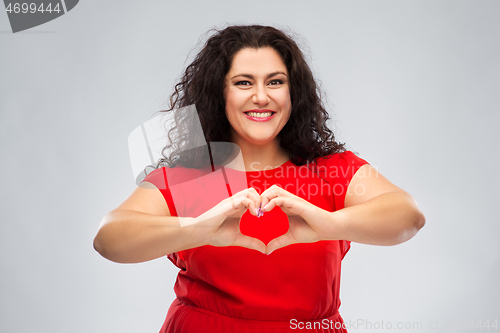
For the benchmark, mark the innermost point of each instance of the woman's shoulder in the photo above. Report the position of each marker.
(166, 176)
(340, 165)
(342, 157)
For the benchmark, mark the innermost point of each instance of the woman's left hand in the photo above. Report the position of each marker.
(307, 222)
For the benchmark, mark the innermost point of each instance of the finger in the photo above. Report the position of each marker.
(280, 242)
(252, 190)
(273, 203)
(242, 192)
(269, 194)
(289, 205)
(233, 204)
(250, 243)
(247, 193)
(240, 202)
(267, 197)
(249, 204)
(255, 197)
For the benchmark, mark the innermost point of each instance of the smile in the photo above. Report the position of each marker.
(260, 116)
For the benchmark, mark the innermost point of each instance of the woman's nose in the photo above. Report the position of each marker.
(260, 96)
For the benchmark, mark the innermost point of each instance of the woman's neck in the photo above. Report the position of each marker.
(261, 157)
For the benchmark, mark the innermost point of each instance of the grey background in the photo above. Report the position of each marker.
(412, 86)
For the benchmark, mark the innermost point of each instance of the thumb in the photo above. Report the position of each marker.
(250, 243)
(279, 242)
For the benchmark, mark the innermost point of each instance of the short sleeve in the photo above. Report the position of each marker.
(188, 192)
(159, 178)
(341, 168)
(346, 166)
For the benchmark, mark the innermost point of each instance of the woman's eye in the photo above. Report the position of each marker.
(276, 82)
(242, 83)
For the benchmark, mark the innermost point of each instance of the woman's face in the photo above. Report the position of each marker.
(257, 82)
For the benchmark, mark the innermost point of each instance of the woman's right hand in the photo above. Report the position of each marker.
(220, 226)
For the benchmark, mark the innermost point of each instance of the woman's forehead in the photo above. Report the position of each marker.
(262, 61)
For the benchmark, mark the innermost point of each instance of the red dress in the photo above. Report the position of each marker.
(235, 289)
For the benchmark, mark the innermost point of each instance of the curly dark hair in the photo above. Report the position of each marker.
(305, 136)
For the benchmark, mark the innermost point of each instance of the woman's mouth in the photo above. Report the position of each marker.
(260, 116)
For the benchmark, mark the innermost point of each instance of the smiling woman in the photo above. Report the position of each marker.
(269, 256)
(258, 103)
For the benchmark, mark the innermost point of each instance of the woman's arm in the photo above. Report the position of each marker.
(376, 211)
(141, 228)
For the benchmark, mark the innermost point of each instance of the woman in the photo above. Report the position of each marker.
(266, 259)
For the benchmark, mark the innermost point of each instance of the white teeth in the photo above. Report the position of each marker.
(260, 114)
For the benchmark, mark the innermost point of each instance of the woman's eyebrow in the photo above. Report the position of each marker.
(250, 76)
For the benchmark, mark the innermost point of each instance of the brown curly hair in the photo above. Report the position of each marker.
(305, 136)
